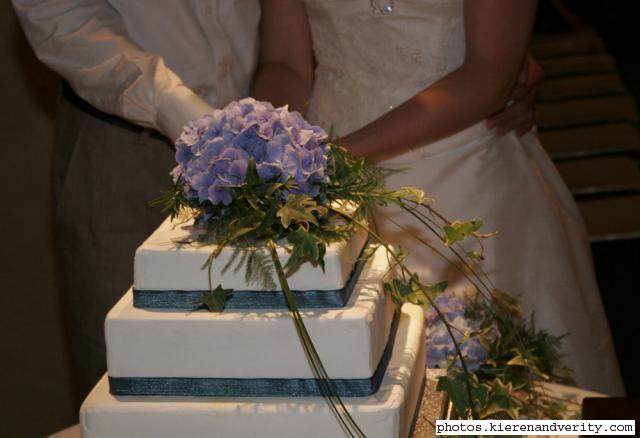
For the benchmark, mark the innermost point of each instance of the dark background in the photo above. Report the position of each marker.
(617, 262)
(35, 377)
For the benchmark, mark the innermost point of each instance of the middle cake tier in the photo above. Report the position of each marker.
(158, 349)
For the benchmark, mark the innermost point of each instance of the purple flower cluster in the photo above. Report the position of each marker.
(213, 151)
(440, 346)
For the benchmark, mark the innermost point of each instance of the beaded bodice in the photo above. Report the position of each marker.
(369, 62)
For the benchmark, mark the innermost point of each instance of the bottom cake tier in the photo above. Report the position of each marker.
(389, 413)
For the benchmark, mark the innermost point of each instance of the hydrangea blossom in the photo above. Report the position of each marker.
(213, 151)
(440, 346)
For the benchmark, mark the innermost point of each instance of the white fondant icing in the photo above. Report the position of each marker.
(252, 344)
(386, 414)
(162, 264)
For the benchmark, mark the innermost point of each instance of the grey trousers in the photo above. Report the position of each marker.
(104, 174)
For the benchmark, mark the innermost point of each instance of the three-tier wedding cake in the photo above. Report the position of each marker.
(175, 370)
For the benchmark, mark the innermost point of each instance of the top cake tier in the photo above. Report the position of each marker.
(167, 262)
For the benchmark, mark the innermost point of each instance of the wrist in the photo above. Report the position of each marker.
(176, 108)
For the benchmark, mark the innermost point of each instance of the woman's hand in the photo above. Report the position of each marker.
(520, 114)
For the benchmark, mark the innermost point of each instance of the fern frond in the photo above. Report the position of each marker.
(259, 270)
(172, 200)
(241, 262)
(236, 252)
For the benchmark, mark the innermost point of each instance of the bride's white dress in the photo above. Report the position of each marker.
(367, 63)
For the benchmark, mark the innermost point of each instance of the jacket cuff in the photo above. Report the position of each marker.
(178, 106)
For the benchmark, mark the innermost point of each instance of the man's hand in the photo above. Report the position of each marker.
(177, 107)
(519, 114)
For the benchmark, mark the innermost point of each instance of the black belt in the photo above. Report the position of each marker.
(79, 103)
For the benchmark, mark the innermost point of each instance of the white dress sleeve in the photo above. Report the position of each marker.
(85, 42)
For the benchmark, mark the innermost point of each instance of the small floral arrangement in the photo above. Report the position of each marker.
(504, 357)
(251, 175)
(440, 345)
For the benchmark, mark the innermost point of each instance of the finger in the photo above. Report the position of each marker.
(535, 74)
(528, 82)
(526, 128)
(513, 111)
(520, 87)
(515, 117)
(523, 76)
(508, 114)
(499, 118)
(522, 122)
(527, 125)
(518, 92)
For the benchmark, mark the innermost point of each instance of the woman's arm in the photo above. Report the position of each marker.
(497, 35)
(285, 70)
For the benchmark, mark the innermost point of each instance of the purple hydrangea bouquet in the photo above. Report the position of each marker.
(213, 152)
(251, 176)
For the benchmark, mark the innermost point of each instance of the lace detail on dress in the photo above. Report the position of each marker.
(393, 56)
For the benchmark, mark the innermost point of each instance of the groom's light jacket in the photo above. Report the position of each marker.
(156, 63)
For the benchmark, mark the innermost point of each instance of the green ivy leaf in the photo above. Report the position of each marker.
(305, 245)
(214, 299)
(517, 360)
(412, 291)
(413, 194)
(457, 231)
(454, 384)
(454, 387)
(486, 235)
(502, 401)
(389, 290)
(299, 209)
(433, 290)
(421, 293)
(507, 301)
(475, 255)
(479, 392)
(402, 288)
(398, 290)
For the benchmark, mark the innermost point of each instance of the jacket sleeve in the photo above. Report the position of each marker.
(85, 42)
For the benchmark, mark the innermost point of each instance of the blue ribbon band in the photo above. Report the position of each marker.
(252, 299)
(262, 387)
